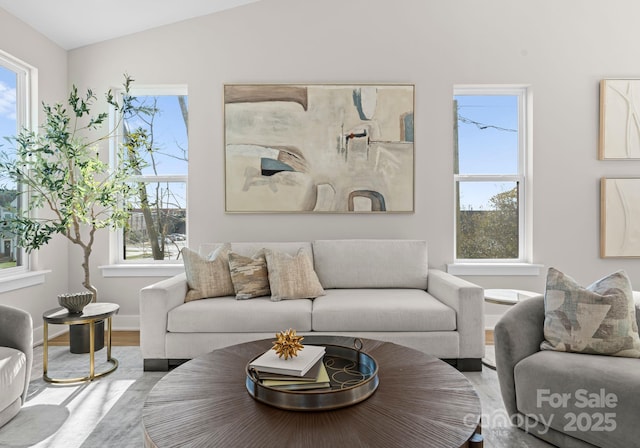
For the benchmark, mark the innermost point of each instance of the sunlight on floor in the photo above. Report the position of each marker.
(64, 415)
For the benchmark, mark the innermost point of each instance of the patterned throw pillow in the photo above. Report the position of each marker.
(292, 277)
(208, 277)
(249, 275)
(599, 319)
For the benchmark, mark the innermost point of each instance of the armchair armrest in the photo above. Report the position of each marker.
(636, 298)
(16, 331)
(467, 299)
(155, 303)
(517, 335)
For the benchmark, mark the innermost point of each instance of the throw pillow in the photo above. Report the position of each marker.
(207, 277)
(599, 319)
(249, 275)
(292, 277)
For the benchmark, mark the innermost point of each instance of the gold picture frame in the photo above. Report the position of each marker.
(319, 148)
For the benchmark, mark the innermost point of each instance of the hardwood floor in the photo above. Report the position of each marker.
(488, 337)
(118, 338)
(132, 338)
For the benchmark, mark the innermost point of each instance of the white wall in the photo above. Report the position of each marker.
(22, 42)
(562, 49)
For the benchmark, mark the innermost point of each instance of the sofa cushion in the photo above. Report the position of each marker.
(371, 263)
(207, 276)
(553, 387)
(248, 249)
(381, 310)
(228, 315)
(13, 365)
(292, 277)
(598, 319)
(249, 275)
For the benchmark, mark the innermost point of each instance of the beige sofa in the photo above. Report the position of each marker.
(378, 289)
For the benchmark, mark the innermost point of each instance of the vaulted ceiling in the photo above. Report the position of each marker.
(76, 23)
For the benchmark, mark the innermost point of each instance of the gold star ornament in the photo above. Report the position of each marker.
(288, 344)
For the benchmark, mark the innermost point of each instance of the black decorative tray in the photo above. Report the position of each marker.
(353, 376)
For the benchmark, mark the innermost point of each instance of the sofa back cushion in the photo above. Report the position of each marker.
(371, 263)
(250, 249)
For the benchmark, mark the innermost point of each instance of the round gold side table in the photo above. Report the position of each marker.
(92, 313)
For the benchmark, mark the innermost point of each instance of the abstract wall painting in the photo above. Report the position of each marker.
(620, 217)
(619, 119)
(318, 148)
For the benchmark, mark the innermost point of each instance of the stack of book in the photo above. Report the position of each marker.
(303, 372)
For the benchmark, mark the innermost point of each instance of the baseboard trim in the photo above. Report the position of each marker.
(127, 322)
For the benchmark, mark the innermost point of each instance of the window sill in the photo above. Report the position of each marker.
(22, 280)
(141, 270)
(494, 269)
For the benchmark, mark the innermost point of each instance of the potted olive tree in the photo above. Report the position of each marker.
(70, 189)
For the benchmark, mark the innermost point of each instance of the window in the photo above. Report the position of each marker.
(157, 229)
(490, 174)
(15, 82)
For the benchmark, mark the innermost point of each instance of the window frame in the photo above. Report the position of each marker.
(139, 267)
(26, 118)
(523, 179)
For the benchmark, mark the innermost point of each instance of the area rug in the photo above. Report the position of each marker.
(489, 359)
(105, 412)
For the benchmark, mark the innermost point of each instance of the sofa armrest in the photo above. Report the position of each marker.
(16, 331)
(467, 299)
(155, 303)
(517, 335)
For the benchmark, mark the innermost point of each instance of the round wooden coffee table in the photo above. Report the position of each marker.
(420, 401)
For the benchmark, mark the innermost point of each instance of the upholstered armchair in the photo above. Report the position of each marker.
(16, 356)
(532, 380)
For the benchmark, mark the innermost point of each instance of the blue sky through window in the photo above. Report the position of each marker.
(7, 105)
(170, 145)
(169, 133)
(487, 144)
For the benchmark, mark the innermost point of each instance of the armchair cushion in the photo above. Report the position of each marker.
(16, 356)
(568, 391)
(13, 367)
(599, 319)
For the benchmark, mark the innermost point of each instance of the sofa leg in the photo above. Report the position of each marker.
(156, 365)
(469, 364)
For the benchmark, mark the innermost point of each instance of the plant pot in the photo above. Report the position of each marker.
(79, 337)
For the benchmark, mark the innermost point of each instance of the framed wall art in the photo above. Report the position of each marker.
(620, 217)
(619, 119)
(319, 148)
